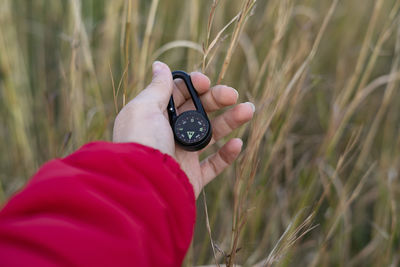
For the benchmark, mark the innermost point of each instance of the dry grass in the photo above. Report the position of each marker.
(318, 183)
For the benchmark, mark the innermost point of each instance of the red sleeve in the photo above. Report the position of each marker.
(105, 205)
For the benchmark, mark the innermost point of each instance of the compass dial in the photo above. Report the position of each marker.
(191, 127)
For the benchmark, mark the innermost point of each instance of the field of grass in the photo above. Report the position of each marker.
(318, 183)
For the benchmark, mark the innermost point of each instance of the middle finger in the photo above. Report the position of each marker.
(230, 120)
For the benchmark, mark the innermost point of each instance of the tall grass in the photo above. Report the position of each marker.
(318, 182)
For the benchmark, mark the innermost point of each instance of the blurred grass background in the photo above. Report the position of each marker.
(318, 182)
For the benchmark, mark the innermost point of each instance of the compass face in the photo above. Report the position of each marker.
(191, 127)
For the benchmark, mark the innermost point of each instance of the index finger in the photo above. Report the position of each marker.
(180, 92)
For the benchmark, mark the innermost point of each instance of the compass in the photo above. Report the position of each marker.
(192, 129)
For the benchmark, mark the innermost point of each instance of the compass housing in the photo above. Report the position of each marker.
(192, 130)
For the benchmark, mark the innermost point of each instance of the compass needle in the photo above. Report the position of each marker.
(190, 134)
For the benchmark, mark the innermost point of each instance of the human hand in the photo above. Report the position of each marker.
(144, 120)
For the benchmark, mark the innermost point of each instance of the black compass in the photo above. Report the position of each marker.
(192, 129)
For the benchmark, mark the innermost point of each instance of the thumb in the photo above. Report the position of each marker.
(160, 88)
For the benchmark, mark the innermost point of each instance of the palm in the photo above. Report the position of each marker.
(190, 164)
(189, 161)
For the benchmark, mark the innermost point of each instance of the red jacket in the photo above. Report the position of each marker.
(105, 205)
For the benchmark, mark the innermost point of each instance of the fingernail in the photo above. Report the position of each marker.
(241, 142)
(237, 93)
(157, 66)
(252, 106)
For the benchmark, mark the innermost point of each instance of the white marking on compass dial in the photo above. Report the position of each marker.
(191, 127)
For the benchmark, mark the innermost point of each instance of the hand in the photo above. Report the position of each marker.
(144, 120)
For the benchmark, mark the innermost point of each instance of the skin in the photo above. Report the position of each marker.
(144, 120)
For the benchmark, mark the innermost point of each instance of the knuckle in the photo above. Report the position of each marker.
(214, 167)
(162, 83)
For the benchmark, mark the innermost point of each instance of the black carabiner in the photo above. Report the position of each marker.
(192, 129)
